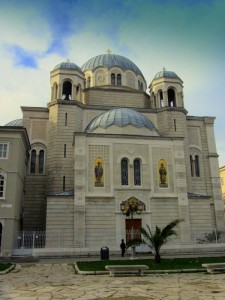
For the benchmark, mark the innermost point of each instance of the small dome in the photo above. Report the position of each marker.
(68, 66)
(17, 122)
(165, 73)
(109, 61)
(120, 117)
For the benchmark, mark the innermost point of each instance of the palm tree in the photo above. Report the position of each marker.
(155, 240)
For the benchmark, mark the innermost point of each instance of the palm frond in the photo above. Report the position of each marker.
(168, 230)
(146, 234)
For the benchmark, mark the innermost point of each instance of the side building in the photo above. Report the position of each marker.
(14, 155)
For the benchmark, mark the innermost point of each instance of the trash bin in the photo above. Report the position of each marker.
(104, 253)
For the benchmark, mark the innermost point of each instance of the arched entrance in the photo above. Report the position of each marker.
(130, 207)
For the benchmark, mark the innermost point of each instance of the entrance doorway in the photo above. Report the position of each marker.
(133, 227)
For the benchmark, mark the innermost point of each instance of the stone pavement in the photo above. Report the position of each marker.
(59, 281)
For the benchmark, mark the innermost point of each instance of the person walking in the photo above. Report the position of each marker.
(122, 247)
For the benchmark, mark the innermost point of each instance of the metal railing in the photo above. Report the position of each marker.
(39, 239)
(30, 239)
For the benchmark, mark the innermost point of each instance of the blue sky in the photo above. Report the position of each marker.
(187, 37)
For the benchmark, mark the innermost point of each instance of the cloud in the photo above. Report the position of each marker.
(21, 57)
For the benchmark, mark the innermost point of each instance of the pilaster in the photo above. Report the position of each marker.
(181, 183)
(79, 187)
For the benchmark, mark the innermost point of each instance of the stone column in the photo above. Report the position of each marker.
(52, 93)
(165, 98)
(59, 94)
(74, 94)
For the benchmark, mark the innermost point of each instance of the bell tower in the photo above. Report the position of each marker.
(166, 91)
(65, 117)
(67, 82)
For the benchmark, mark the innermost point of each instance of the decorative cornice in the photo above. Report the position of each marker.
(117, 88)
(172, 108)
(30, 108)
(207, 120)
(127, 136)
(107, 107)
(213, 155)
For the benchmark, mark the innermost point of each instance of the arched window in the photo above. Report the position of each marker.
(113, 79)
(33, 161)
(137, 172)
(67, 90)
(197, 169)
(89, 82)
(118, 77)
(192, 165)
(161, 98)
(41, 161)
(161, 95)
(195, 165)
(171, 97)
(124, 171)
(37, 159)
(2, 185)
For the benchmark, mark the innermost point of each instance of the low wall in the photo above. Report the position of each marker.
(198, 249)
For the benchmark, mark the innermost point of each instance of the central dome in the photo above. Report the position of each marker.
(120, 117)
(109, 61)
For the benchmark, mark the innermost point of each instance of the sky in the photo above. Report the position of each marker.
(184, 36)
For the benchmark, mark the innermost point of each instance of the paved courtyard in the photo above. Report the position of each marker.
(59, 281)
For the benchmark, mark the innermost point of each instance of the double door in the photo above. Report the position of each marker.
(133, 227)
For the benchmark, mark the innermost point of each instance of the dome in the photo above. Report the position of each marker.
(120, 117)
(68, 66)
(17, 122)
(165, 73)
(109, 61)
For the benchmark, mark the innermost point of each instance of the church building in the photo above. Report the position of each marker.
(105, 158)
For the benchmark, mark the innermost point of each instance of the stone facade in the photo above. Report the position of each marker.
(147, 148)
